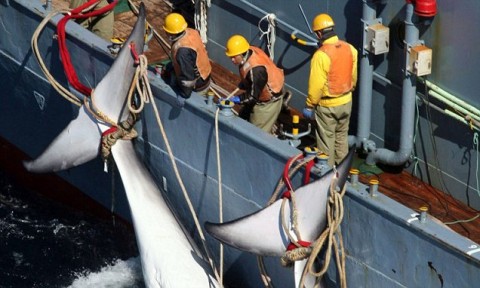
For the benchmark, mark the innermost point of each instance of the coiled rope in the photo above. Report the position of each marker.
(269, 34)
(201, 7)
(331, 237)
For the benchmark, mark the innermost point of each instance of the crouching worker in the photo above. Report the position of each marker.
(262, 82)
(190, 60)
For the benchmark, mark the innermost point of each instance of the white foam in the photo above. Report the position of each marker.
(122, 273)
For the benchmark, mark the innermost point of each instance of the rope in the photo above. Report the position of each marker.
(64, 92)
(201, 18)
(220, 193)
(475, 143)
(298, 249)
(331, 236)
(144, 78)
(285, 181)
(77, 13)
(142, 87)
(269, 33)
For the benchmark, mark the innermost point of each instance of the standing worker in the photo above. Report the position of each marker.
(189, 57)
(262, 82)
(333, 76)
(101, 25)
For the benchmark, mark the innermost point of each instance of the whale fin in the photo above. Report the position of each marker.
(262, 233)
(79, 142)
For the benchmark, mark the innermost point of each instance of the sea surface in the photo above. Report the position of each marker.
(46, 244)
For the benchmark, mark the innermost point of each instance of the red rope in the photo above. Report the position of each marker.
(136, 59)
(64, 54)
(292, 246)
(286, 178)
(308, 170)
(109, 131)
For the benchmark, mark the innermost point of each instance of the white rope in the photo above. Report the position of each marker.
(269, 33)
(64, 92)
(149, 95)
(220, 191)
(475, 143)
(201, 8)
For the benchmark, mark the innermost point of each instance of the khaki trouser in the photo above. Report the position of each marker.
(100, 25)
(332, 131)
(264, 115)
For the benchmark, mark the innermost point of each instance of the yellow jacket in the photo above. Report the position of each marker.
(318, 85)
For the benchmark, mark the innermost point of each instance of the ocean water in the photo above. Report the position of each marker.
(45, 244)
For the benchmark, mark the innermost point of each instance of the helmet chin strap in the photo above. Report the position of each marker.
(175, 37)
(327, 34)
(245, 56)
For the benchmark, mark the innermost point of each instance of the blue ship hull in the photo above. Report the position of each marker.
(386, 245)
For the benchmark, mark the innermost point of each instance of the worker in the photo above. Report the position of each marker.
(261, 80)
(101, 25)
(333, 76)
(189, 57)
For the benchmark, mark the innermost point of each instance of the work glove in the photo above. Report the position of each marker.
(308, 113)
(235, 99)
(189, 83)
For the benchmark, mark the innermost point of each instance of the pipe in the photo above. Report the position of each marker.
(408, 104)
(465, 120)
(455, 106)
(365, 85)
(445, 96)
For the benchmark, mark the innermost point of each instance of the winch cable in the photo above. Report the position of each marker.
(146, 93)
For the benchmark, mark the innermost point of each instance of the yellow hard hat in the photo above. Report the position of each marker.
(236, 45)
(322, 21)
(174, 23)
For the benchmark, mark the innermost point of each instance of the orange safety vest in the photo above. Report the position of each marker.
(275, 75)
(192, 40)
(339, 78)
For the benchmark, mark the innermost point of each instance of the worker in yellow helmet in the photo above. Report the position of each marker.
(262, 82)
(333, 76)
(189, 57)
(101, 25)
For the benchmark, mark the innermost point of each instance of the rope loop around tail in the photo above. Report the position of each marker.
(297, 254)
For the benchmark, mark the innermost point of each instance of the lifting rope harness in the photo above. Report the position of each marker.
(77, 13)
